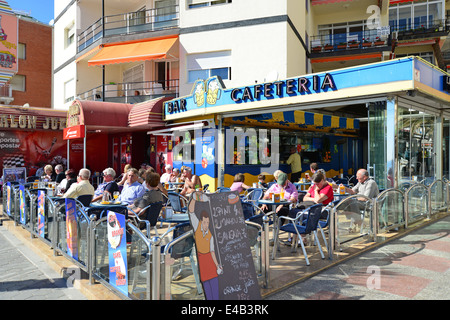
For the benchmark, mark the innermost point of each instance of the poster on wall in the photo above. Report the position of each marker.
(71, 228)
(163, 153)
(41, 213)
(225, 261)
(117, 251)
(22, 205)
(32, 149)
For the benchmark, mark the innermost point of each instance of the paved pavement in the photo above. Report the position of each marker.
(26, 276)
(413, 267)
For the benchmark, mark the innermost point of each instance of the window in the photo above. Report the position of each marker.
(205, 65)
(22, 51)
(18, 83)
(69, 35)
(205, 3)
(413, 15)
(69, 90)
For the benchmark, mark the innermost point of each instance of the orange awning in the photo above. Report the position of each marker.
(134, 51)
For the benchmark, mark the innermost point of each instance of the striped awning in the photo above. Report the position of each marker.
(148, 114)
(297, 120)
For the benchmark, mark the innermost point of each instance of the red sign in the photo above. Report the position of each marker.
(74, 132)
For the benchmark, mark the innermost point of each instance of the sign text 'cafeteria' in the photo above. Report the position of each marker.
(211, 92)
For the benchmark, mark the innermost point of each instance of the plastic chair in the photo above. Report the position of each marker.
(85, 199)
(223, 189)
(296, 226)
(175, 202)
(323, 224)
(147, 217)
(254, 195)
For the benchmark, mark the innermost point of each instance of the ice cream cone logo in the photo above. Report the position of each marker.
(199, 94)
(213, 92)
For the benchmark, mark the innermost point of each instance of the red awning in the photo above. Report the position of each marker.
(103, 114)
(148, 114)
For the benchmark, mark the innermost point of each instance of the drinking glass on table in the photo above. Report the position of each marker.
(116, 195)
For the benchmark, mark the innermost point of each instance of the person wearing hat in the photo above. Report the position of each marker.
(290, 194)
(165, 177)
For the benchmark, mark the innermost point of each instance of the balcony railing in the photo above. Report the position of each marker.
(132, 92)
(417, 30)
(5, 90)
(347, 41)
(129, 23)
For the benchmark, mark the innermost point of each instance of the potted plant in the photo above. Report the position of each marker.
(366, 43)
(317, 49)
(342, 45)
(328, 47)
(378, 42)
(353, 44)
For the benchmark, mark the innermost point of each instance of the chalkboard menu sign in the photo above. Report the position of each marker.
(226, 267)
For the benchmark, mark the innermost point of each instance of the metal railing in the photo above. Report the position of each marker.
(151, 262)
(132, 92)
(129, 23)
(347, 41)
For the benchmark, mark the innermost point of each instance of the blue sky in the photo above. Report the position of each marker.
(41, 10)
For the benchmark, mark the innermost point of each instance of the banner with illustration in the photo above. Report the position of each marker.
(8, 198)
(32, 150)
(15, 175)
(41, 213)
(71, 228)
(117, 251)
(22, 205)
(225, 261)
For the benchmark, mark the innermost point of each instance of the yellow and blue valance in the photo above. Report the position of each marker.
(299, 119)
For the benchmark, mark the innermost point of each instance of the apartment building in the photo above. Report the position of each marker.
(106, 49)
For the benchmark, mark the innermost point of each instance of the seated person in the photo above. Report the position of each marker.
(161, 187)
(365, 186)
(132, 189)
(191, 182)
(108, 186)
(82, 187)
(238, 184)
(49, 175)
(59, 170)
(290, 194)
(174, 175)
(319, 192)
(165, 177)
(152, 195)
(262, 181)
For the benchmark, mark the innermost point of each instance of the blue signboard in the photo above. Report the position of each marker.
(71, 228)
(22, 205)
(117, 251)
(41, 213)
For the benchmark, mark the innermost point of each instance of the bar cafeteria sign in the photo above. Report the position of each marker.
(74, 132)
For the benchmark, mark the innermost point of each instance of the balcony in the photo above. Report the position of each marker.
(348, 43)
(132, 92)
(6, 93)
(129, 23)
(415, 31)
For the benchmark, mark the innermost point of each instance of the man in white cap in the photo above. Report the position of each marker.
(166, 176)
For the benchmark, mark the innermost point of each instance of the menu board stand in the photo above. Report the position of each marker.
(226, 266)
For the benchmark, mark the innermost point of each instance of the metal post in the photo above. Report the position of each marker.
(155, 268)
(265, 254)
(331, 233)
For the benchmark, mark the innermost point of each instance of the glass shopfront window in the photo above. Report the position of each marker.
(416, 149)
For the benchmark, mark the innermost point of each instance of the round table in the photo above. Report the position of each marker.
(112, 203)
(338, 196)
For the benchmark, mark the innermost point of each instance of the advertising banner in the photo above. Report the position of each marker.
(117, 250)
(22, 205)
(71, 228)
(32, 150)
(41, 213)
(8, 198)
(9, 27)
(14, 175)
